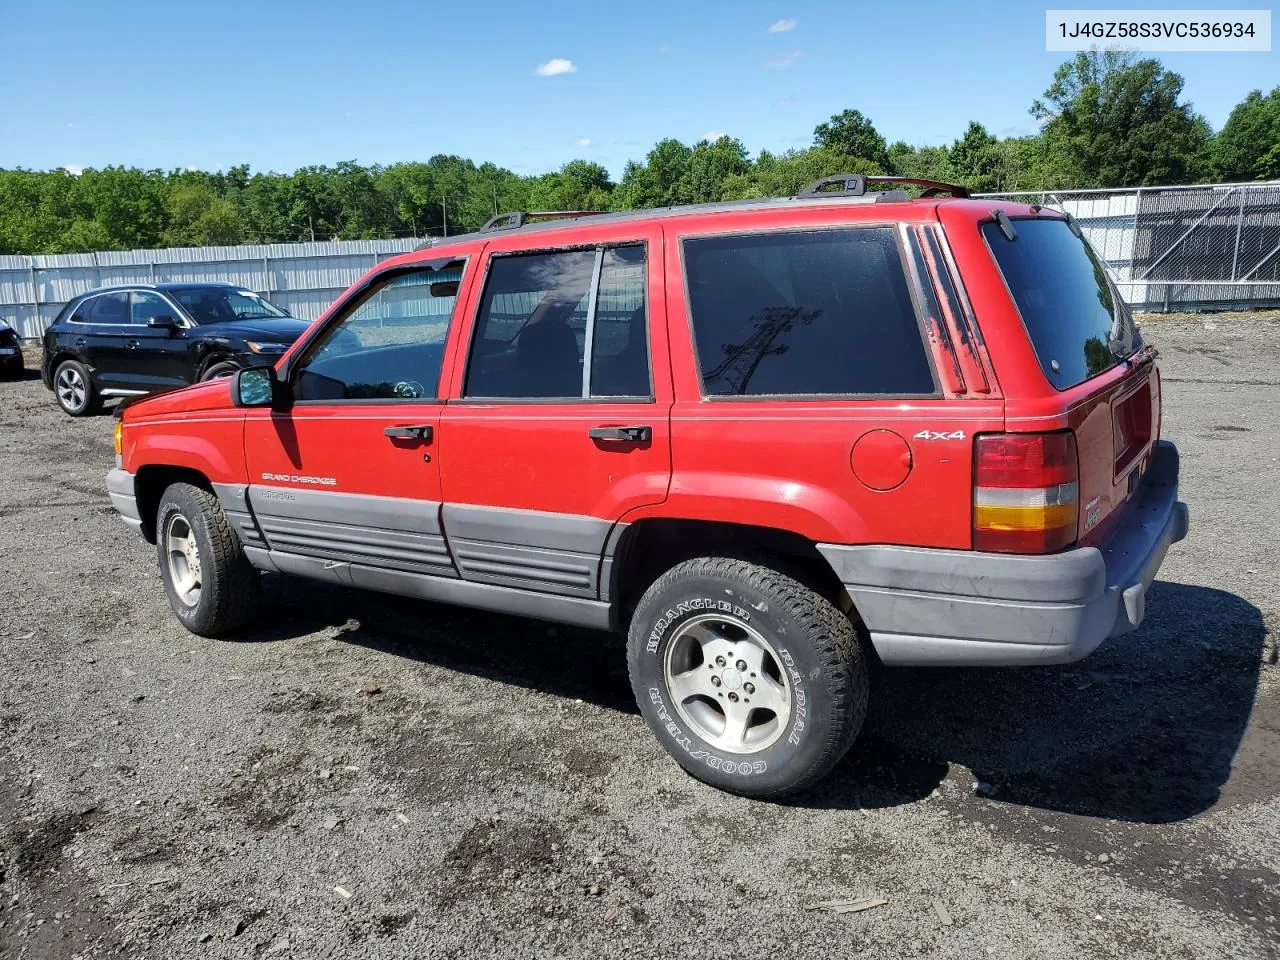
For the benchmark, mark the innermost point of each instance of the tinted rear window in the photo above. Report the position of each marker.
(818, 313)
(1077, 322)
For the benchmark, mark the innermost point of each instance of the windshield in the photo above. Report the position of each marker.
(1078, 324)
(216, 305)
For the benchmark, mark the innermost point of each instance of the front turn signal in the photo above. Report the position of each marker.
(119, 437)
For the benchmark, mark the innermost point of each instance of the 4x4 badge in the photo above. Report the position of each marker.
(938, 435)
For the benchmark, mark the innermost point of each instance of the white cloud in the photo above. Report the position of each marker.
(786, 60)
(75, 169)
(782, 26)
(556, 66)
(582, 142)
(711, 136)
(73, 125)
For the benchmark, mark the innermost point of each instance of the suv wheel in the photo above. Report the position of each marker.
(219, 369)
(74, 389)
(212, 587)
(752, 681)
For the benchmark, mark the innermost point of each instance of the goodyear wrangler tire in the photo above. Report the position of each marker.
(753, 682)
(211, 586)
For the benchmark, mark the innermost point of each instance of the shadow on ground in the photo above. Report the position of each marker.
(1145, 730)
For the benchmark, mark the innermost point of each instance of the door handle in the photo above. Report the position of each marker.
(81, 341)
(422, 432)
(641, 434)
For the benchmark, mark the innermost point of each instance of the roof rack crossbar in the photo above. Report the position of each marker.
(518, 218)
(855, 185)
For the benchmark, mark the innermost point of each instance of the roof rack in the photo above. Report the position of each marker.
(855, 185)
(518, 218)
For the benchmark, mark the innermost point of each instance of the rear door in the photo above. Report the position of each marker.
(346, 483)
(103, 335)
(559, 423)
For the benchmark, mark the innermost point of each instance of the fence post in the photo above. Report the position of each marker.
(1235, 256)
(266, 276)
(35, 294)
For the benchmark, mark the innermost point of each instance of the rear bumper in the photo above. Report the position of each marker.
(958, 607)
(120, 488)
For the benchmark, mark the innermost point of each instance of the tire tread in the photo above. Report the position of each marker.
(830, 632)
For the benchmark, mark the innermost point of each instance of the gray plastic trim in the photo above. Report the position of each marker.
(524, 603)
(120, 490)
(528, 549)
(526, 528)
(357, 509)
(234, 498)
(958, 607)
(350, 528)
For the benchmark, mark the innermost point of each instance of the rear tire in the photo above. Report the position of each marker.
(210, 583)
(753, 682)
(73, 387)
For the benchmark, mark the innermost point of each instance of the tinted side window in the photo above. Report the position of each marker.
(531, 328)
(107, 308)
(822, 313)
(145, 306)
(620, 341)
(390, 345)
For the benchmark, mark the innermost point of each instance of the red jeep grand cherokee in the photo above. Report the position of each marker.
(762, 438)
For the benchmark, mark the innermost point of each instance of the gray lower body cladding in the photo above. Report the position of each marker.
(388, 532)
(958, 608)
(120, 489)
(552, 552)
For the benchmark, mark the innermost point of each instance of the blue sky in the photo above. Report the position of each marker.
(285, 84)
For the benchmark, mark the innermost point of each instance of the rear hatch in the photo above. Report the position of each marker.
(1082, 331)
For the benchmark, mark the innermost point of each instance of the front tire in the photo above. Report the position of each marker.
(73, 387)
(210, 583)
(220, 369)
(753, 682)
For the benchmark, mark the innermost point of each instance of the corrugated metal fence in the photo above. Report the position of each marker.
(302, 278)
(1205, 247)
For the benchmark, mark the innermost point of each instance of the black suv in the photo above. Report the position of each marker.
(133, 340)
(10, 353)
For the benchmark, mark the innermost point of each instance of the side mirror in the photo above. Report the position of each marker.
(258, 387)
(163, 323)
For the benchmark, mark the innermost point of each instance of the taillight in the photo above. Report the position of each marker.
(1026, 495)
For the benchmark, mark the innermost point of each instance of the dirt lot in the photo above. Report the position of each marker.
(165, 796)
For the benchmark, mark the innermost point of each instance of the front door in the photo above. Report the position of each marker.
(347, 479)
(558, 423)
(155, 357)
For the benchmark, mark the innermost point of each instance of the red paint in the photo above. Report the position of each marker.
(825, 469)
(881, 459)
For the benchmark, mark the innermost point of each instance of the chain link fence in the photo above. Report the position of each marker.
(1206, 247)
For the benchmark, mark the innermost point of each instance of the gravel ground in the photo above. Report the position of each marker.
(165, 796)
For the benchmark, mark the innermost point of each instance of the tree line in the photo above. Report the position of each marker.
(1108, 119)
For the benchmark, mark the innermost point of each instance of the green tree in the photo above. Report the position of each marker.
(1118, 122)
(853, 135)
(975, 157)
(578, 185)
(1248, 146)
